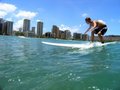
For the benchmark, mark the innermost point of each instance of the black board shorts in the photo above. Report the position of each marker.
(103, 30)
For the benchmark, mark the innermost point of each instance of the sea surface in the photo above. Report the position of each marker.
(28, 64)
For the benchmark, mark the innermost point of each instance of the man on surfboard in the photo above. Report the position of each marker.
(96, 27)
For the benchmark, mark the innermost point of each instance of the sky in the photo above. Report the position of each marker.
(66, 14)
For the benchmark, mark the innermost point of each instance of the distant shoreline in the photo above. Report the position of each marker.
(107, 38)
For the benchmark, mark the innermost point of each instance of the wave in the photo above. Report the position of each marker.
(21, 37)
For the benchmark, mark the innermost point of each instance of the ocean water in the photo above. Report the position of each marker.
(28, 64)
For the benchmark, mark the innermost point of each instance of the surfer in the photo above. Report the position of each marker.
(96, 27)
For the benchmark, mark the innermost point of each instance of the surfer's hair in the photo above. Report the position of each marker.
(88, 19)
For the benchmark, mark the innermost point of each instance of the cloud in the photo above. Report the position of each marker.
(84, 15)
(7, 7)
(2, 14)
(9, 19)
(11, 13)
(26, 14)
(18, 24)
(39, 20)
(72, 28)
(23, 15)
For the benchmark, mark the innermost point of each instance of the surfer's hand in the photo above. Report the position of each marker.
(99, 32)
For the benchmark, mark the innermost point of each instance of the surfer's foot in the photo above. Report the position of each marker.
(102, 42)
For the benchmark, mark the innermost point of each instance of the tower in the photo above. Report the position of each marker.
(39, 29)
(55, 31)
(9, 28)
(26, 25)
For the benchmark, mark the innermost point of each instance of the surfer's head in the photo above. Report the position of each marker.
(88, 20)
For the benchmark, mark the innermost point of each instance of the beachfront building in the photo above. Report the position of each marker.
(33, 30)
(26, 25)
(20, 29)
(30, 34)
(9, 28)
(108, 38)
(48, 35)
(61, 34)
(112, 38)
(1, 26)
(67, 34)
(80, 36)
(40, 29)
(6, 28)
(77, 36)
(55, 31)
(85, 37)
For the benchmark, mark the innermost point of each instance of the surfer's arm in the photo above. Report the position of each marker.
(92, 29)
(87, 30)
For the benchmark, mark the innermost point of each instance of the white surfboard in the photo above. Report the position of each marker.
(82, 46)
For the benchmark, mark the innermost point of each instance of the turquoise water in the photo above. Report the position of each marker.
(27, 64)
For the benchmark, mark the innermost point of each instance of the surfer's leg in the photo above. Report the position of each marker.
(100, 37)
(92, 36)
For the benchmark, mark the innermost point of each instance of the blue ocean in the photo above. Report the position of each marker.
(30, 64)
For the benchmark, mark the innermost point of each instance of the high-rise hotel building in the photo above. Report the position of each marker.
(6, 27)
(55, 31)
(39, 29)
(1, 26)
(26, 25)
(67, 34)
(85, 37)
(9, 28)
(77, 36)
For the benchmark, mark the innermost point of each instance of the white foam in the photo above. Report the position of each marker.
(21, 37)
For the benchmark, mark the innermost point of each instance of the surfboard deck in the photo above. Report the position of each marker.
(82, 45)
